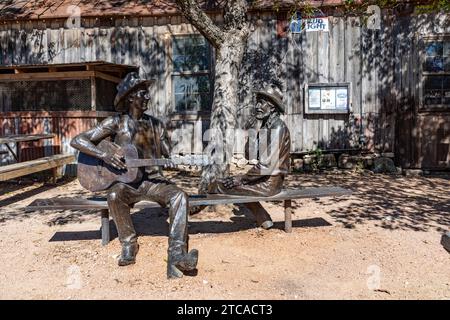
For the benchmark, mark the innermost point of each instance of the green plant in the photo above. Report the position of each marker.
(359, 165)
(317, 159)
(434, 6)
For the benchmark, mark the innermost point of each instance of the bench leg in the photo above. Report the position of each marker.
(105, 227)
(288, 216)
(55, 174)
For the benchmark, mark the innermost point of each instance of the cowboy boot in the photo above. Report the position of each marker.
(180, 262)
(129, 252)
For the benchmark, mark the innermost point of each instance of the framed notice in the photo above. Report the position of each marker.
(328, 98)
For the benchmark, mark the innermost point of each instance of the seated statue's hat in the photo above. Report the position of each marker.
(131, 83)
(272, 93)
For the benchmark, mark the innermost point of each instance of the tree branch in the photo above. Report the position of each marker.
(235, 14)
(199, 19)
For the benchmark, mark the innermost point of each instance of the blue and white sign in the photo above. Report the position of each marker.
(298, 25)
(317, 24)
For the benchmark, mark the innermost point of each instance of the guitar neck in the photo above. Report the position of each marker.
(136, 163)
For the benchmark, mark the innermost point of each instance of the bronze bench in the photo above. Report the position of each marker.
(287, 195)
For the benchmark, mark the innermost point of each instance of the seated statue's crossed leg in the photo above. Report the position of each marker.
(168, 194)
(265, 188)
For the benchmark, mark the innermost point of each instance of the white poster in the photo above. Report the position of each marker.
(341, 98)
(314, 98)
(328, 99)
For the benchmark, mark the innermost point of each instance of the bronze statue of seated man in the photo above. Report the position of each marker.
(149, 136)
(267, 176)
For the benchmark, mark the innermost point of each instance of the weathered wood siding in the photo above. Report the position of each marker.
(65, 125)
(381, 66)
(422, 138)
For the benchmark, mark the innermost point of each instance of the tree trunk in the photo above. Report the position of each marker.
(230, 43)
(225, 105)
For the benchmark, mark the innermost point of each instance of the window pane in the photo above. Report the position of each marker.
(178, 45)
(434, 49)
(180, 103)
(447, 49)
(198, 60)
(178, 63)
(446, 87)
(193, 102)
(195, 52)
(433, 93)
(434, 64)
(433, 82)
(192, 93)
(436, 88)
(433, 97)
(446, 64)
(191, 84)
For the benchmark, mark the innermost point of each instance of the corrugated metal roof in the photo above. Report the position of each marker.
(75, 64)
(53, 9)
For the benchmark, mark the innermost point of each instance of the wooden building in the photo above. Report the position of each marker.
(388, 78)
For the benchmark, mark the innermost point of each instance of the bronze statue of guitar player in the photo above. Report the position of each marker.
(148, 137)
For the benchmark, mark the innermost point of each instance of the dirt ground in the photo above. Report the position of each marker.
(380, 243)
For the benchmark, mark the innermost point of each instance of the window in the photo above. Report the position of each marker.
(191, 77)
(436, 74)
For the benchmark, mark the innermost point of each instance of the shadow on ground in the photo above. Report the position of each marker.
(153, 222)
(392, 202)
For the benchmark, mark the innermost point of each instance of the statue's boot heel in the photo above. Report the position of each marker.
(128, 255)
(266, 225)
(179, 264)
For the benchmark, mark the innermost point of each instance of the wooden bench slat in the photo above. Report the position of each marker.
(195, 200)
(24, 168)
(25, 138)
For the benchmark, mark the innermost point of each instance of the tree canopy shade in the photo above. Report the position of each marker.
(56, 9)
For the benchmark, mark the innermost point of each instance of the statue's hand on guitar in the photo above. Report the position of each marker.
(170, 165)
(115, 160)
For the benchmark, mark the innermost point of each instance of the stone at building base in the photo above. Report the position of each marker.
(308, 163)
(445, 241)
(368, 162)
(349, 162)
(328, 161)
(308, 159)
(384, 165)
(388, 155)
(297, 165)
(412, 172)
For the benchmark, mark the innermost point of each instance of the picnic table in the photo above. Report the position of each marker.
(20, 168)
(19, 138)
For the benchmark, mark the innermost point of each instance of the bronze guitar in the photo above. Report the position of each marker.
(95, 175)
